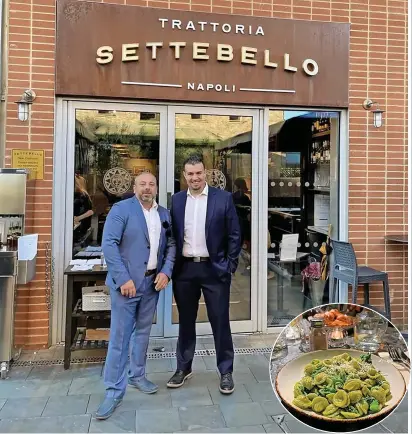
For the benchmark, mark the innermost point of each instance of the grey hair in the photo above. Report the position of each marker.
(194, 159)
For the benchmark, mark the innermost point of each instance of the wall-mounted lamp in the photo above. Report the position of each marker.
(23, 106)
(377, 113)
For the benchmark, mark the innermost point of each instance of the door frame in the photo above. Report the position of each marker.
(250, 325)
(63, 190)
(60, 191)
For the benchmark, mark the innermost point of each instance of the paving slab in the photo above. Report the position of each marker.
(209, 417)
(158, 421)
(191, 396)
(19, 373)
(60, 424)
(244, 376)
(50, 373)
(262, 391)
(198, 364)
(158, 365)
(119, 422)
(243, 414)
(33, 388)
(87, 386)
(204, 379)
(161, 378)
(273, 428)
(239, 395)
(261, 371)
(273, 407)
(23, 407)
(397, 422)
(209, 361)
(239, 429)
(135, 400)
(66, 405)
(2, 402)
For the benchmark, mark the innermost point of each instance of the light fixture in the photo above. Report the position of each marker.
(23, 106)
(377, 113)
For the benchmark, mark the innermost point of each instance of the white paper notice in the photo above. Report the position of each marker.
(27, 247)
(289, 247)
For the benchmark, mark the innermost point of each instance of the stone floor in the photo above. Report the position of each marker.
(48, 399)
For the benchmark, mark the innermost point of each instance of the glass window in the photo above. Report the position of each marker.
(302, 209)
(111, 149)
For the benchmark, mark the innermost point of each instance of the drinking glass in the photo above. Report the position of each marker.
(337, 337)
(366, 333)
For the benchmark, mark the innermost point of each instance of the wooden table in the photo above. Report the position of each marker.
(397, 238)
(73, 306)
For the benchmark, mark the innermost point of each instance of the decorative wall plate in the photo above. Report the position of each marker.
(216, 178)
(117, 181)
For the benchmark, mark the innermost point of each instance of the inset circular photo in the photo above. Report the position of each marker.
(340, 367)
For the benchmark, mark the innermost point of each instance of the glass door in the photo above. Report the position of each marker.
(302, 209)
(108, 146)
(227, 140)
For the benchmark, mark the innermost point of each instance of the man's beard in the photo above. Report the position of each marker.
(147, 198)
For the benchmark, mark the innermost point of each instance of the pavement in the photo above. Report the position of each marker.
(42, 397)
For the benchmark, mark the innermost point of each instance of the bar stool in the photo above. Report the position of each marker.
(346, 269)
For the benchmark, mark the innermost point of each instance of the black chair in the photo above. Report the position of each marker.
(346, 269)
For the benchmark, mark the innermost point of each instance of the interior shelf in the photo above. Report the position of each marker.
(80, 342)
(321, 134)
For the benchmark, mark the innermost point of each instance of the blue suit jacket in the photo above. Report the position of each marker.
(222, 231)
(126, 245)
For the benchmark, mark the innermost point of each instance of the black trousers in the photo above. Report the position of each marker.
(193, 278)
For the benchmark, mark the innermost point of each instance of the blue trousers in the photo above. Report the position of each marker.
(131, 322)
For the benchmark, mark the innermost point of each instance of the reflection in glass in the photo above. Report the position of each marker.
(226, 147)
(302, 150)
(111, 148)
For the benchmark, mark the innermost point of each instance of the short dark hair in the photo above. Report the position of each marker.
(193, 159)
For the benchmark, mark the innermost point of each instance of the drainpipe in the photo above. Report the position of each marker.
(3, 77)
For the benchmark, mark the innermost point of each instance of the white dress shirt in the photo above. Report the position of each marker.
(154, 228)
(194, 244)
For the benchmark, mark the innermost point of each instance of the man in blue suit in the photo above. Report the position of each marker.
(208, 242)
(140, 252)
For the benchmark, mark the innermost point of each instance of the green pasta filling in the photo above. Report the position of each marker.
(342, 387)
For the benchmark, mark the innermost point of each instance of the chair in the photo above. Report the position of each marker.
(346, 269)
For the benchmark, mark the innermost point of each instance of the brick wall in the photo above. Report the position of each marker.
(378, 157)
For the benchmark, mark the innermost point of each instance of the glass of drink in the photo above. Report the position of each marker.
(367, 334)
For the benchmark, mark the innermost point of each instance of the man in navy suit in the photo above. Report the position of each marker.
(207, 235)
(140, 252)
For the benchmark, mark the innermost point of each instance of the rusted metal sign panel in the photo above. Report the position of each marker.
(107, 50)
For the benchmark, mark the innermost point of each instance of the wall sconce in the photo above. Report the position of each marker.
(23, 106)
(377, 113)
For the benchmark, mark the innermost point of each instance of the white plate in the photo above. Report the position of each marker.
(293, 371)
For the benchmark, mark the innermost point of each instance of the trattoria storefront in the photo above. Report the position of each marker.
(263, 100)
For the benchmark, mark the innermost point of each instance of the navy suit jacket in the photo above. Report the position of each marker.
(126, 244)
(222, 231)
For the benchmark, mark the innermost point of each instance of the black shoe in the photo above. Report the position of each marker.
(227, 386)
(179, 377)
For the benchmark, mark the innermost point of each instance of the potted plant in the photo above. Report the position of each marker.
(313, 276)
